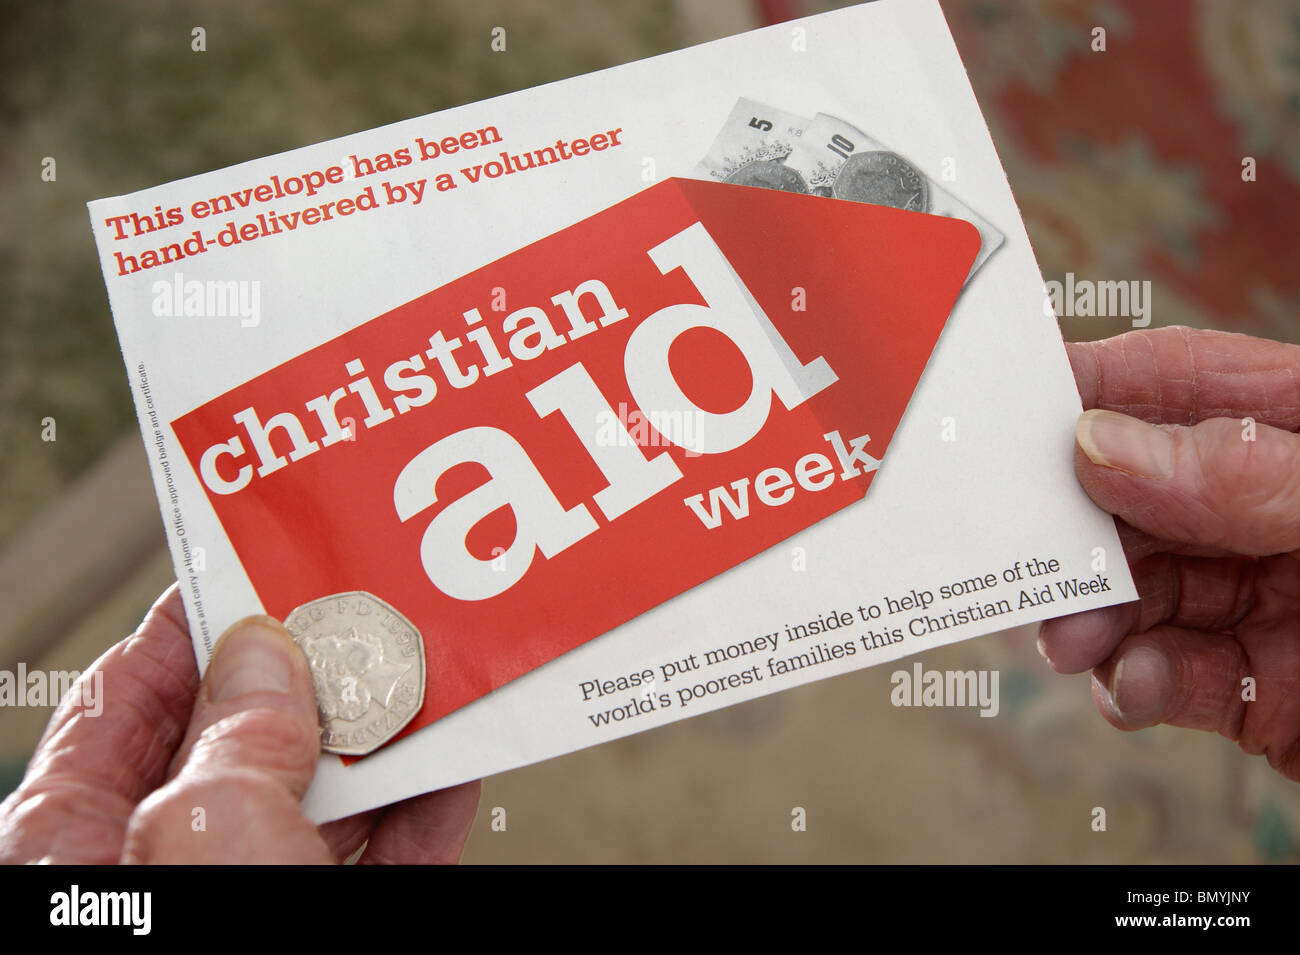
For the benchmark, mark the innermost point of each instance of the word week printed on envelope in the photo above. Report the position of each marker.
(560, 416)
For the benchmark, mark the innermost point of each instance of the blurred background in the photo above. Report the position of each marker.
(1127, 164)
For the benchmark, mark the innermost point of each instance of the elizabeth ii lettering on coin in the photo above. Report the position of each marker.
(367, 666)
(883, 179)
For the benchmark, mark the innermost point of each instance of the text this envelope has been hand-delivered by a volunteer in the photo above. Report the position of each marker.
(534, 442)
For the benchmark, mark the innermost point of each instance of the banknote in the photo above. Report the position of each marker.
(760, 145)
(752, 143)
(835, 154)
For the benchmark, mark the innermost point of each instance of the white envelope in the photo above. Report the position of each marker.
(978, 480)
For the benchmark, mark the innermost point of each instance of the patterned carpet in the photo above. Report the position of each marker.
(1128, 163)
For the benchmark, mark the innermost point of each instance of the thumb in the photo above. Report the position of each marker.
(248, 756)
(1224, 483)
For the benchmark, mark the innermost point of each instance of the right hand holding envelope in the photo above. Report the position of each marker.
(1190, 440)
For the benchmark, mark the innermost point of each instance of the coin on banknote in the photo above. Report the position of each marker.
(883, 179)
(367, 666)
(768, 174)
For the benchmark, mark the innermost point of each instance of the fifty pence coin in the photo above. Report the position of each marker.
(883, 179)
(768, 174)
(367, 666)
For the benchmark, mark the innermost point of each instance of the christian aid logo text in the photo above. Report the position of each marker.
(634, 470)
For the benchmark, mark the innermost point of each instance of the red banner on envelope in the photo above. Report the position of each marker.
(531, 455)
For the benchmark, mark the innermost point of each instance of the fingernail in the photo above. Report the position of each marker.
(254, 654)
(1102, 690)
(1125, 444)
(1141, 685)
(1042, 650)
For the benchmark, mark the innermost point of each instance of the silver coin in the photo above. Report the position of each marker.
(768, 174)
(367, 666)
(883, 179)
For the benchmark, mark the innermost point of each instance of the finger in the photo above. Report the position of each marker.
(1185, 375)
(1138, 545)
(345, 836)
(248, 756)
(1202, 485)
(1199, 680)
(107, 746)
(1080, 641)
(1174, 675)
(1212, 594)
(426, 830)
(1197, 593)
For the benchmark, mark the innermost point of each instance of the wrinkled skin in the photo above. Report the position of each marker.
(1213, 538)
(125, 786)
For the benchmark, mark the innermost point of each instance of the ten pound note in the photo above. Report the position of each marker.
(538, 431)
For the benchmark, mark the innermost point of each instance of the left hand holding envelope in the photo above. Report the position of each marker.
(177, 770)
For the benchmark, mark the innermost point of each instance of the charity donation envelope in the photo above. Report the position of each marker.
(556, 417)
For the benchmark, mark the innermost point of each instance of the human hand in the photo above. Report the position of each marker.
(1209, 516)
(242, 746)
